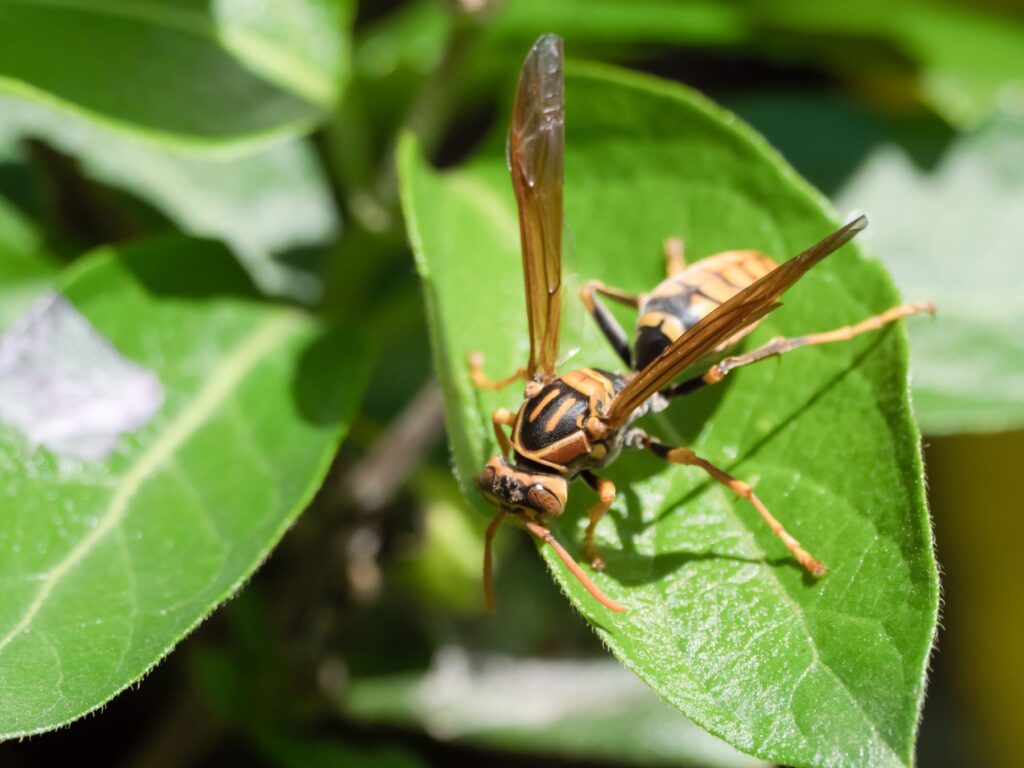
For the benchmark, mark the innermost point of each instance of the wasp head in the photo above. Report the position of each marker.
(541, 495)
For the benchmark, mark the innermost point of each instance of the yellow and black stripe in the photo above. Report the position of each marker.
(682, 300)
(551, 427)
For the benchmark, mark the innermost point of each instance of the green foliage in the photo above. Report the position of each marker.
(952, 233)
(110, 563)
(721, 622)
(593, 710)
(272, 206)
(25, 272)
(956, 56)
(142, 125)
(201, 74)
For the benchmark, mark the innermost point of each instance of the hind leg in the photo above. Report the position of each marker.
(780, 346)
(688, 458)
(606, 320)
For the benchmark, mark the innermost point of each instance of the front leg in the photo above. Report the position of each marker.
(686, 457)
(606, 490)
(502, 417)
(606, 320)
(480, 380)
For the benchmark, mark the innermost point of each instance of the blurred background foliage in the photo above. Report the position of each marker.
(272, 127)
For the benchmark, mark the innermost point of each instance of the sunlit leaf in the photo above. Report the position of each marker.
(722, 623)
(107, 564)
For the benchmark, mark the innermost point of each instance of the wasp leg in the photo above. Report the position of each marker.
(675, 261)
(780, 345)
(606, 320)
(606, 490)
(479, 378)
(544, 535)
(686, 457)
(502, 417)
(492, 529)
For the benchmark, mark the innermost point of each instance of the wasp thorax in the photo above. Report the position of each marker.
(519, 488)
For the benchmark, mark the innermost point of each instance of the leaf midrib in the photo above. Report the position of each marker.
(306, 80)
(223, 380)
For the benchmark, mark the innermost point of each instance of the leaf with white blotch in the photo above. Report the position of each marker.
(721, 622)
(184, 72)
(106, 565)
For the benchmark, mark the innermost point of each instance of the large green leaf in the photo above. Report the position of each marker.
(272, 207)
(579, 709)
(721, 623)
(952, 233)
(107, 564)
(184, 71)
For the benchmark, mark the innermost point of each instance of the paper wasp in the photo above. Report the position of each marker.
(570, 425)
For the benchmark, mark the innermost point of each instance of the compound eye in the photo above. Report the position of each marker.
(545, 502)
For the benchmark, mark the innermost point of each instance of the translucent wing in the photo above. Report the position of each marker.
(536, 144)
(748, 306)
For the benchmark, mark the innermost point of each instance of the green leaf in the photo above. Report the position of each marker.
(964, 59)
(106, 565)
(25, 272)
(961, 59)
(626, 22)
(580, 710)
(951, 233)
(273, 207)
(201, 74)
(722, 623)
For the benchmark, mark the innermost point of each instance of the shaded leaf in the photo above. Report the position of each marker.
(295, 752)
(106, 565)
(721, 623)
(273, 207)
(186, 72)
(589, 710)
(25, 272)
(963, 59)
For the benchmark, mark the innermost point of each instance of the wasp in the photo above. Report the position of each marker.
(568, 426)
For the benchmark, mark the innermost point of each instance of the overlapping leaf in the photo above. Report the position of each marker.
(272, 207)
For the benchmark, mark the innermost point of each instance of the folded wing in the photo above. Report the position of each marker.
(746, 307)
(536, 147)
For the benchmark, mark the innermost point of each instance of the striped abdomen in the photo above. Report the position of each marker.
(551, 427)
(680, 301)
